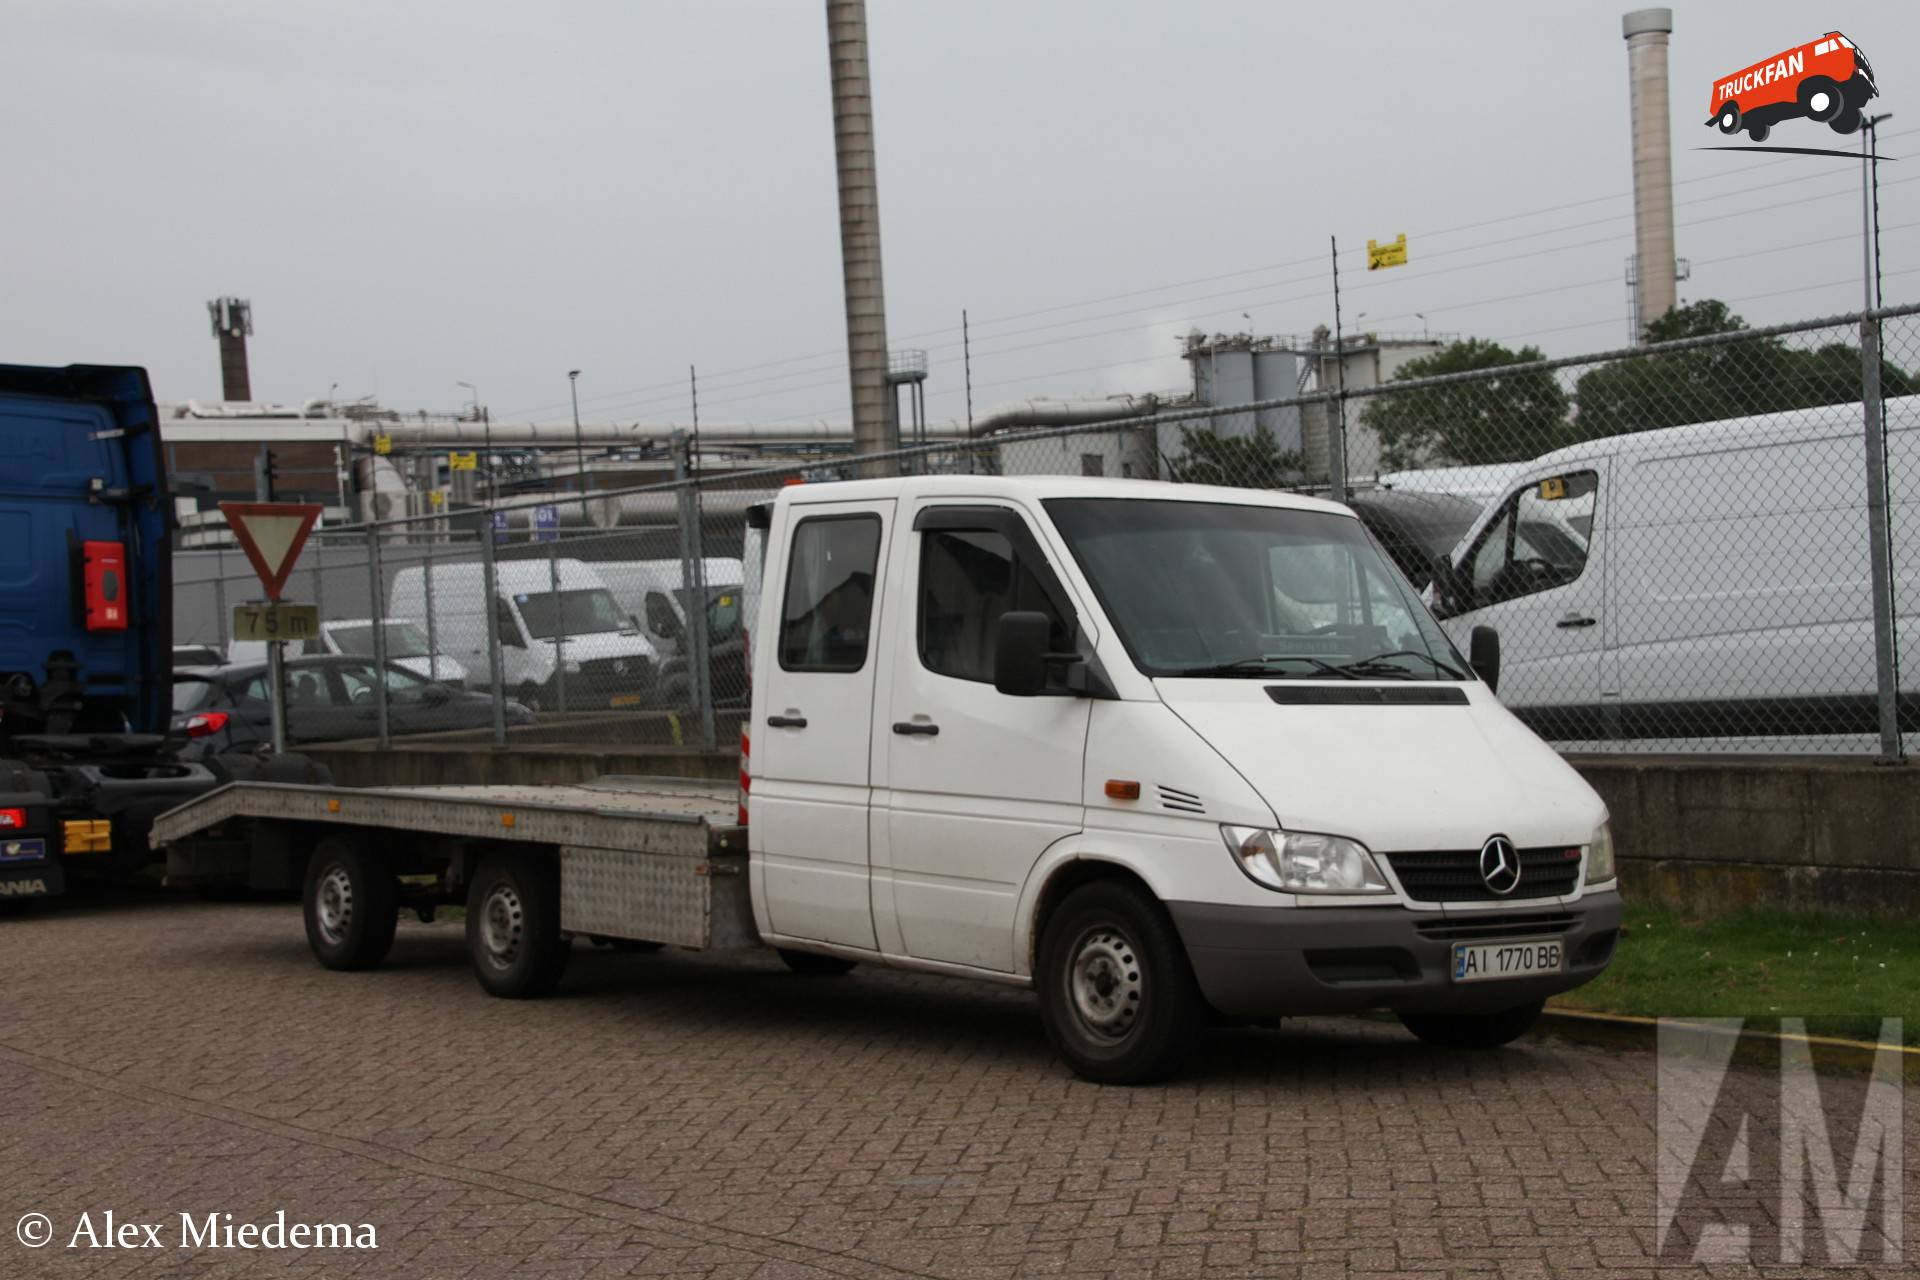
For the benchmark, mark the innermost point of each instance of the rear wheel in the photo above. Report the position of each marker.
(1729, 118)
(1117, 996)
(1758, 131)
(1473, 1030)
(351, 903)
(812, 964)
(513, 925)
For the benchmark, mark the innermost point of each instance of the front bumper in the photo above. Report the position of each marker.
(1260, 962)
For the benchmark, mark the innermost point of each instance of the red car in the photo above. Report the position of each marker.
(1828, 80)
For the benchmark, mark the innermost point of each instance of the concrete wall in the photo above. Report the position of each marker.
(1714, 836)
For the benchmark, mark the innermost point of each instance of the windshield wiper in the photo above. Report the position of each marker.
(1258, 666)
(1377, 665)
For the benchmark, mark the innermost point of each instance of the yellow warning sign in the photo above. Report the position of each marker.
(383, 445)
(469, 461)
(1391, 254)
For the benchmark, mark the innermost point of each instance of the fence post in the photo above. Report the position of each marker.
(377, 615)
(220, 603)
(1879, 553)
(693, 576)
(559, 622)
(491, 583)
(426, 590)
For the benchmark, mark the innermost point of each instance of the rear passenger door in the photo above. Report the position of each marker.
(811, 725)
(976, 784)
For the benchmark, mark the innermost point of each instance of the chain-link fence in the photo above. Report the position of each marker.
(1694, 546)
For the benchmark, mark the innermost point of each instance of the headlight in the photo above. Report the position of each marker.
(573, 668)
(1600, 855)
(1302, 862)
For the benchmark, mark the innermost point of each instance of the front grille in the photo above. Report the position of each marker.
(1494, 927)
(600, 673)
(1453, 875)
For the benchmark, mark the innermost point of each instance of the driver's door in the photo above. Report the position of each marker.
(1536, 575)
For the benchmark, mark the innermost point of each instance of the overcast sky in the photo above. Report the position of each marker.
(415, 194)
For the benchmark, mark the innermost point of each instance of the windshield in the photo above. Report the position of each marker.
(404, 640)
(723, 610)
(581, 611)
(1263, 592)
(189, 694)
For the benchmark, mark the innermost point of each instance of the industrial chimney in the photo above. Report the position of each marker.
(1646, 32)
(873, 426)
(232, 322)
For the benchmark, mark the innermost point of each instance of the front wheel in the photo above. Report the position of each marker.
(513, 925)
(1846, 120)
(1473, 1030)
(1820, 98)
(1758, 131)
(351, 903)
(1117, 995)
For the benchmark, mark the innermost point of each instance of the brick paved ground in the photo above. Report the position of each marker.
(679, 1115)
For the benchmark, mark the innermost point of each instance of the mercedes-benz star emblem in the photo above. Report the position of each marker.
(1500, 866)
(619, 666)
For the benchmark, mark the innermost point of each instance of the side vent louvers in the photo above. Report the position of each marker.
(1180, 801)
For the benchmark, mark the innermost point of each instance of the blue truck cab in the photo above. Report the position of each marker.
(86, 606)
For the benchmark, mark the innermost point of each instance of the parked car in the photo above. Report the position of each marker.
(197, 655)
(1414, 528)
(1677, 584)
(405, 642)
(558, 626)
(328, 699)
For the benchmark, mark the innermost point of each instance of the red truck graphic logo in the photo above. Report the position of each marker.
(1826, 80)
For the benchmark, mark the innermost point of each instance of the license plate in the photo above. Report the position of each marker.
(625, 700)
(23, 851)
(1517, 958)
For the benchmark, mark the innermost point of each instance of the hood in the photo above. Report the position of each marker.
(606, 644)
(1394, 777)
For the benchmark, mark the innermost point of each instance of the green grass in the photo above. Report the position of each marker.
(1842, 973)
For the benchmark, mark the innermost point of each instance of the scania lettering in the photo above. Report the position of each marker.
(1161, 753)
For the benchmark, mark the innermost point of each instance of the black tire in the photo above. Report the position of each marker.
(1729, 118)
(1820, 98)
(1758, 130)
(351, 903)
(1846, 120)
(247, 766)
(811, 964)
(629, 946)
(1117, 995)
(1473, 1030)
(513, 925)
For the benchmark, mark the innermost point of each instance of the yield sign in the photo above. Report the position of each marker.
(271, 533)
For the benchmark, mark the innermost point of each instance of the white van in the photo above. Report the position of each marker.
(1705, 584)
(656, 592)
(1158, 752)
(573, 649)
(406, 647)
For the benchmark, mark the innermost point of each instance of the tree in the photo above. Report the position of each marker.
(1254, 461)
(1730, 380)
(1493, 419)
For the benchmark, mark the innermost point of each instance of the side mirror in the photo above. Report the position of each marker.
(1483, 655)
(436, 695)
(1446, 585)
(1020, 654)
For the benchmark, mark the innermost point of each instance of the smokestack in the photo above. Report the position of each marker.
(873, 430)
(1646, 32)
(232, 322)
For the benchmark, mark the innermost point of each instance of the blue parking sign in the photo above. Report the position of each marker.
(546, 524)
(499, 526)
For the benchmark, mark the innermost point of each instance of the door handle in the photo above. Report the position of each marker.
(911, 729)
(1573, 620)
(786, 722)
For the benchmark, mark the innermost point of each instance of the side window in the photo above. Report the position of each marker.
(1539, 541)
(968, 578)
(661, 619)
(825, 622)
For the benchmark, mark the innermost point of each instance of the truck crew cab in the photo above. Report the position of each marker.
(1159, 752)
(85, 628)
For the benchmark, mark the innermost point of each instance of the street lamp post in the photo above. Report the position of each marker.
(579, 448)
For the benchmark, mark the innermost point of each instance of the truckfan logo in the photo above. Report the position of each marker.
(1500, 866)
(1828, 81)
